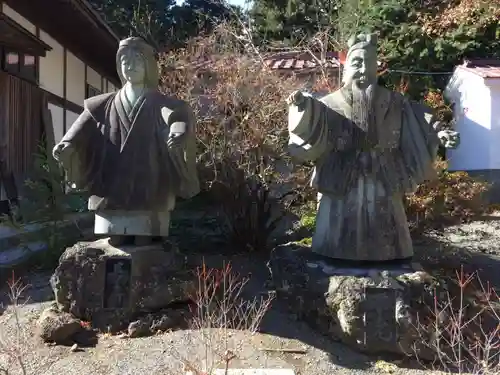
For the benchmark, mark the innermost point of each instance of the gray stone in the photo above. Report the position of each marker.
(370, 147)
(153, 323)
(58, 327)
(111, 286)
(132, 188)
(372, 309)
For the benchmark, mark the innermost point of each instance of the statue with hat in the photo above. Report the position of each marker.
(133, 150)
(370, 146)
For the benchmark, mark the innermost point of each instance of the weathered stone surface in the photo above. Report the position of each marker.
(58, 327)
(111, 286)
(151, 324)
(370, 308)
(370, 146)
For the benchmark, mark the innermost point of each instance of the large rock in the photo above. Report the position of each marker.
(58, 327)
(371, 309)
(112, 287)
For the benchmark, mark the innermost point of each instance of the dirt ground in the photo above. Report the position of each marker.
(476, 246)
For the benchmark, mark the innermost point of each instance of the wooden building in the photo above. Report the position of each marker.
(54, 54)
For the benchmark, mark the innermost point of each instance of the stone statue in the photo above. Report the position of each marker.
(133, 150)
(370, 146)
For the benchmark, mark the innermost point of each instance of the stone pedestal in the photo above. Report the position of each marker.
(372, 309)
(112, 287)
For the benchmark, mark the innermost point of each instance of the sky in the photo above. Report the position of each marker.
(237, 2)
(234, 2)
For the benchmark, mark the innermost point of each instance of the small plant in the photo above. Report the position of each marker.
(248, 211)
(308, 220)
(453, 197)
(46, 201)
(11, 347)
(220, 308)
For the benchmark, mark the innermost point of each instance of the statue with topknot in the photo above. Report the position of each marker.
(370, 146)
(133, 150)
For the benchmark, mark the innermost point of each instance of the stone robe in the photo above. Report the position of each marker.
(362, 175)
(121, 158)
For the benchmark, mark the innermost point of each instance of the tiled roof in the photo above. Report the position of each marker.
(301, 61)
(280, 61)
(483, 68)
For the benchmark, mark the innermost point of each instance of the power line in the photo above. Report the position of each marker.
(418, 73)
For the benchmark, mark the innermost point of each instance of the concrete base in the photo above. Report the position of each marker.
(132, 223)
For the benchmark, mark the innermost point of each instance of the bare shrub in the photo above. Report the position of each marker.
(11, 347)
(220, 304)
(239, 103)
(241, 128)
(462, 327)
(219, 309)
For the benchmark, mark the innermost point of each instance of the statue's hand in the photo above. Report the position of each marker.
(296, 98)
(60, 149)
(449, 138)
(175, 141)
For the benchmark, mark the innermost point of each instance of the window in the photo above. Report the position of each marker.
(91, 91)
(19, 64)
(11, 62)
(28, 67)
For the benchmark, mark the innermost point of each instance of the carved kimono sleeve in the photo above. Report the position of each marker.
(419, 145)
(79, 136)
(308, 129)
(181, 122)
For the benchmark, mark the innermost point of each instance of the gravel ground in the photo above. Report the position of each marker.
(164, 354)
(475, 245)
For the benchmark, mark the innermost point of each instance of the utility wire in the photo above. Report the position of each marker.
(418, 73)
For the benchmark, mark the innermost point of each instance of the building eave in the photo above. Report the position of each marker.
(76, 26)
(12, 35)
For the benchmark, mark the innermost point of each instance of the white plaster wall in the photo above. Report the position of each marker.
(52, 66)
(19, 19)
(75, 79)
(495, 125)
(473, 113)
(57, 121)
(111, 88)
(70, 118)
(93, 78)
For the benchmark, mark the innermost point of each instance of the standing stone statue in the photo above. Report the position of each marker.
(133, 150)
(370, 146)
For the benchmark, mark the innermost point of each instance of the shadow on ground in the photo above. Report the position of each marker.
(36, 289)
(437, 256)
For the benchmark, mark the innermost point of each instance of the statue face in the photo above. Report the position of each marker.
(361, 68)
(133, 67)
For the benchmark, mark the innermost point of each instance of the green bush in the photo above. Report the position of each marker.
(454, 197)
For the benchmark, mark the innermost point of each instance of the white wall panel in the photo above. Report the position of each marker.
(52, 66)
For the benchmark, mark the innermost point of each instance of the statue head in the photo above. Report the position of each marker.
(136, 63)
(360, 67)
